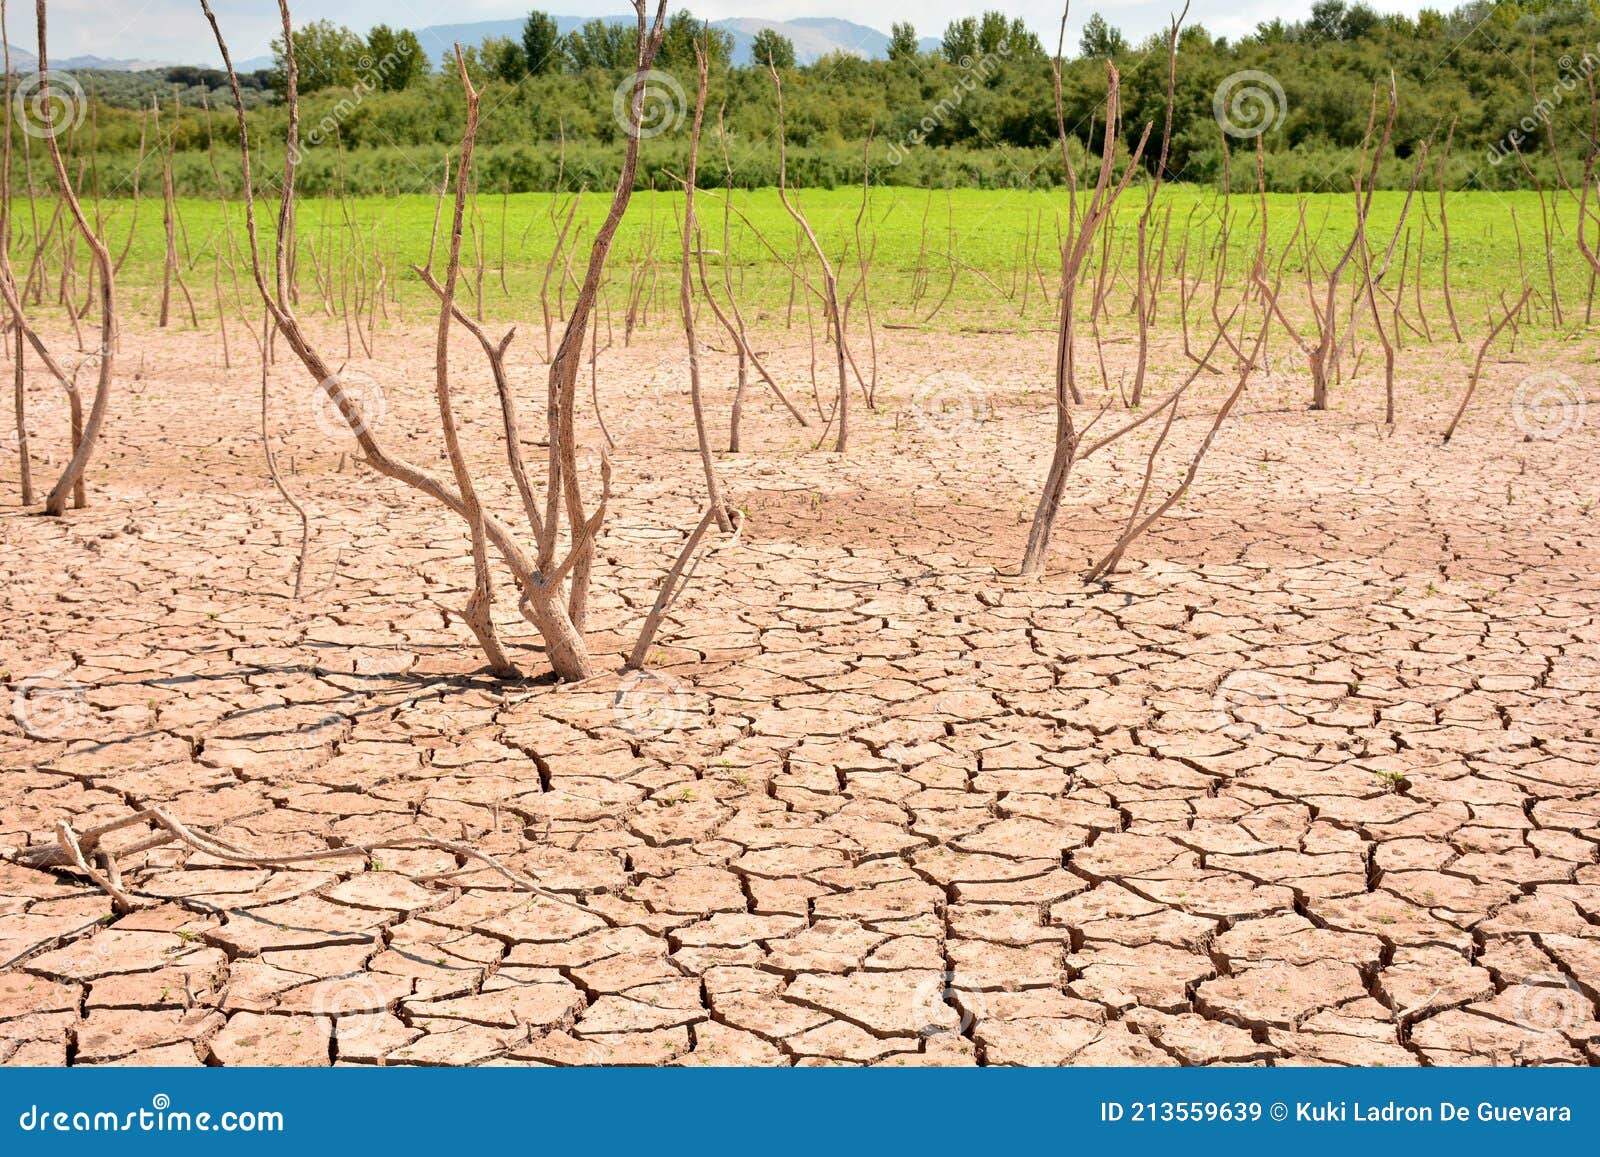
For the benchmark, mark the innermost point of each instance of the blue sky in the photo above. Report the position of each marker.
(176, 30)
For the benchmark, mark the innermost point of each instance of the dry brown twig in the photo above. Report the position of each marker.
(1143, 309)
(1510, 312)
(1112, 557)
(272, 462)
(673, 585)
(734, 324)
(830, 281)
(73, 849)
(718, 508)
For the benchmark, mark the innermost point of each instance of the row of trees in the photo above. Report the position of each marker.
(978, 110)
(330, 55)
(602, 45)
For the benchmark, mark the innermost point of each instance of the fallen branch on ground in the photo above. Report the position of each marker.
(75, 850)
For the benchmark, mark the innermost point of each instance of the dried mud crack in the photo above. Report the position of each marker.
(1311, 779)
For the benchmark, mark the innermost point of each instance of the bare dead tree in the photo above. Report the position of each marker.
(1507, 315)
(1141, 308)
(172, 268)
(69, 485)
(9, 281)
(1134, 529)
(691, 227)
(553, 590)
(272, 463)
(733, 318)
(1081, 231)
(830, 281)
(1584, 212)
(1422, 312)
(864, 262)
(1371, 289)
(1326, 315)
(1372, 303)
(1545, 218)
(1072, 256)
(478, 613)
(549, 268)
(1444, 228)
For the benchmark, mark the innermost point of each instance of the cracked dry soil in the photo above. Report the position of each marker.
(1311, 780)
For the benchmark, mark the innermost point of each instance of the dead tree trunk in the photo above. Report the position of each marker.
(1142, 307)
(830, 281)
(719, 509)
(1072, 257)
(1320, 358)
(70, 482)
(544, 582)
(20, 396)
(478, 612)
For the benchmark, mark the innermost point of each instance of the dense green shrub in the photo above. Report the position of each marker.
(980, 114)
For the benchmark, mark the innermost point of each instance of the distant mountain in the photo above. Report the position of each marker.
(105, 64)
(438, 39)
(812, 38)
(24, 61)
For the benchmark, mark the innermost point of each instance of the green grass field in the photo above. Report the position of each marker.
(1497, 240)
